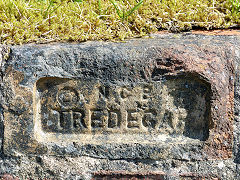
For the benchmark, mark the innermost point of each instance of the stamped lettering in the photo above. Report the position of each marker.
(173, 107)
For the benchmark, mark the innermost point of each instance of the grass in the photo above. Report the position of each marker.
(235, 6)
(24, 21)
(123, 13)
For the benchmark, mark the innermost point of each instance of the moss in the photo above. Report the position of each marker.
(24, 21)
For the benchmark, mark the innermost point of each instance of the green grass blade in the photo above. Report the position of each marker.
(117, 9)
(47, 10)
(55, 8)
(99, 7)
(134, 8)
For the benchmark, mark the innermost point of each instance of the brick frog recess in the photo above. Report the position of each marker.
(82, 109)
(147, 99)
